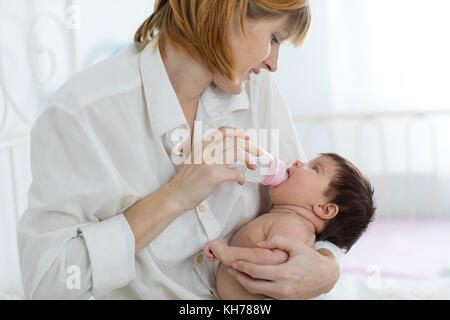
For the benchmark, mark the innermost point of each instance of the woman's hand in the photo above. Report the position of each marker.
(306, 274)
(208, 167)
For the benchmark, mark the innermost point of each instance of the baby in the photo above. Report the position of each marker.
(327, 197)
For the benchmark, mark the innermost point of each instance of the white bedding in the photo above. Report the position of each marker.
(5, 296)
(397, 259)
(361, 287)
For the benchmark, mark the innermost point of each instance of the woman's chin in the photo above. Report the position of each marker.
(235, 88)
(230, 87)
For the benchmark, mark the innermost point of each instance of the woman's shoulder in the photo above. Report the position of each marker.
(110, 77)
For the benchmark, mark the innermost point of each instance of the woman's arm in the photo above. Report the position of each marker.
(218, 249)
(74, 239)
(151, 215)
(306, 274)
(188, 188)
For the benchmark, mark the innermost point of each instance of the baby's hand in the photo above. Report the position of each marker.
(208, 252)
(213, 249)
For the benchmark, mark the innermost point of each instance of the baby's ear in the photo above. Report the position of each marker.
(326, 211)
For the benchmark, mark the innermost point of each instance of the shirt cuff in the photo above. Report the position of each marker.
(111, 246)
(335, 250)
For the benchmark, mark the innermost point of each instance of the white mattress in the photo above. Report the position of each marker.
(398, 259)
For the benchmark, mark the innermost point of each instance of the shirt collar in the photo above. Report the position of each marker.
(163, 107)
(220, 105)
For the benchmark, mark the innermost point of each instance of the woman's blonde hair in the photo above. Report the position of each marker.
(201, 27)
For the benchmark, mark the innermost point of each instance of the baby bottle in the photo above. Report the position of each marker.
(269, 170)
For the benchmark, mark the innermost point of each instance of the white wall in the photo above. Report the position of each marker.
(304, 73)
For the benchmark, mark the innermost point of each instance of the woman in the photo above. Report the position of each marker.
(113, 212)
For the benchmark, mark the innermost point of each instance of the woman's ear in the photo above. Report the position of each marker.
(326, 211)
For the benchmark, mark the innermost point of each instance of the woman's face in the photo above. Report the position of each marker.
(257, 49)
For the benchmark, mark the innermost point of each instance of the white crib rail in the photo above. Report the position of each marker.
(9, 146)
(374, 118)
(69, 25)
(14, 115)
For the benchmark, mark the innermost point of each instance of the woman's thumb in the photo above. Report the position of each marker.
(277, 242)
(235, 175)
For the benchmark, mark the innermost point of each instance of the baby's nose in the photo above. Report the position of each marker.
(297, 164)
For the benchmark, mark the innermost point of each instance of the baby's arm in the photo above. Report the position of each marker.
(218, 249)
(242, 247)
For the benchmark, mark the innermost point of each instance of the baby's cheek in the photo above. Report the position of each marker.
(296, 181)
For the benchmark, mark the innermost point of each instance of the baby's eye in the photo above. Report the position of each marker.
(315, 169)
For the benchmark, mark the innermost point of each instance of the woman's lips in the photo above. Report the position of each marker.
(255, 71)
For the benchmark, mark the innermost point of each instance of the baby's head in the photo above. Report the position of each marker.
(335, 191)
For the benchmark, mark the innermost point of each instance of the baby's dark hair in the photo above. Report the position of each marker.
(353, 194)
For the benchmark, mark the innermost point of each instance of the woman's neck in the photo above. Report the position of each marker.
(313, 222)
(188, 76)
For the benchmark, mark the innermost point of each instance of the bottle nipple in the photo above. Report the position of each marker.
(279, 173)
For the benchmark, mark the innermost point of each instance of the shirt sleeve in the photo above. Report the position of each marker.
(73, 239)
(335, 250)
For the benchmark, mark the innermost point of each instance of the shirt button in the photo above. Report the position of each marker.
(200, 258)
(201, 208)
(183, 132)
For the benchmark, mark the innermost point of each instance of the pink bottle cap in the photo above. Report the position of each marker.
(280, 173)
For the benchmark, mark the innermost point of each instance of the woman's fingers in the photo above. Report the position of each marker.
(225, 132)
(277, 281)
(231, 151)
(233, 175)
(228, 134)
(226, 145)
(204, 169)
(254, 286)
(262, 272)
(292, 247)
(223, 147)
(240, 153)
(245, 145)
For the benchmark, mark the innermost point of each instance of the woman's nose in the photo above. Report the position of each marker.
(271, 63)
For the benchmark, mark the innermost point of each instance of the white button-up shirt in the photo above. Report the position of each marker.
(103, 143)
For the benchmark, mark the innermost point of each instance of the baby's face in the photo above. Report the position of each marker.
(306, 184)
